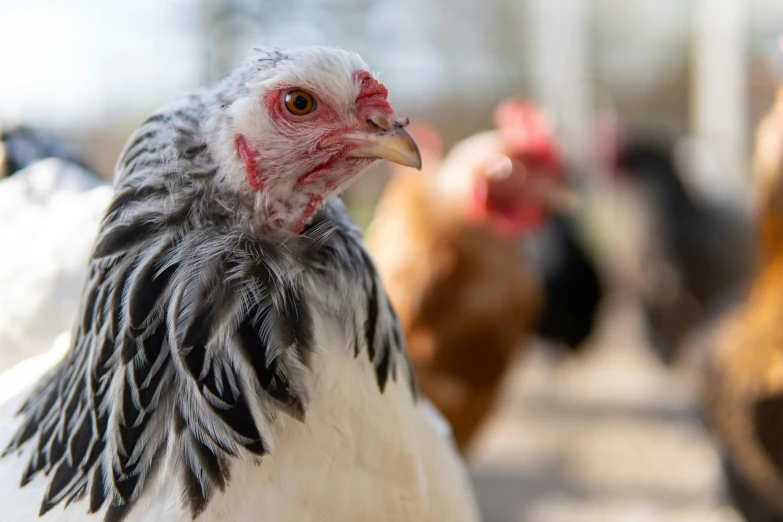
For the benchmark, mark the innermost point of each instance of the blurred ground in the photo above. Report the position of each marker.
(606, 436)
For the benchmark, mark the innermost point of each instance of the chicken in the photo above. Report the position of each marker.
(49, 215)
(235, 354)
(446, 247)
(743, 389)
(21, 146)
(691, 254)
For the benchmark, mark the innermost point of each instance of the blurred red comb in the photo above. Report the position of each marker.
(427, 137)
(527, 133)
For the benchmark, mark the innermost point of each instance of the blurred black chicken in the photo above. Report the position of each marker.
(694, 254)
(21, 146)
(572, 287)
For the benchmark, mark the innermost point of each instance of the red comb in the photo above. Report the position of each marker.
(527, 133)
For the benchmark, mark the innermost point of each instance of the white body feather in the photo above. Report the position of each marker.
(360, 455)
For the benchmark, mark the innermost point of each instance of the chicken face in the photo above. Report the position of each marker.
(502, 193)
(494, 187)
(302, 136)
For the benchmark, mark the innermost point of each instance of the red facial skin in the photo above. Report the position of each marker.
(248, 155)
(510, 205)
(315, 200)
(370, 103)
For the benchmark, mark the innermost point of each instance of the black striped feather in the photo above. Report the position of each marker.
(123, 237)
(150, 283)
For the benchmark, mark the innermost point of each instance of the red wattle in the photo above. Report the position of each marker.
(248, 155)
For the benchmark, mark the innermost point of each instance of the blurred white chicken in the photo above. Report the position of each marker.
(49, 215)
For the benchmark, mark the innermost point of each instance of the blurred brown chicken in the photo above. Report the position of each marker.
(744, 387)
(446, 245)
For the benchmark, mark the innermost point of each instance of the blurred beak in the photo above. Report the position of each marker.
(395, 145)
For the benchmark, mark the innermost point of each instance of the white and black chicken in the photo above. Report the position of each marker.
(235, 357)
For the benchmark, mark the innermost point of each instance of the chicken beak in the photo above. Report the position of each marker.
(396, 145)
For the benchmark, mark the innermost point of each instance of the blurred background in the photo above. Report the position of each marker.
(94, 71)
(607, 434)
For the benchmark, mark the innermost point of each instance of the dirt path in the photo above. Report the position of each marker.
(603, 437)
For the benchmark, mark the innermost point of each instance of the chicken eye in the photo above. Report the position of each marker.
(299, 102)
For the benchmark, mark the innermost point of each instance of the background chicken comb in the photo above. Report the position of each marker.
(527, 133)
